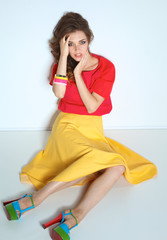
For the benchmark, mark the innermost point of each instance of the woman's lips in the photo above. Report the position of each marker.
(78, 55)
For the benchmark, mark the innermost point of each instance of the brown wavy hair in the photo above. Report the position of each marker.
(68, 23)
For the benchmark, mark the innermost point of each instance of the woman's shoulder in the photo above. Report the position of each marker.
(106, 66)
(53, 72)
(104, 62)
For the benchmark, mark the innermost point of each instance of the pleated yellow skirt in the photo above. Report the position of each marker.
(78, 148)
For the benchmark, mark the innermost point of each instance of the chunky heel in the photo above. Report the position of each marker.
(5, 203)
(55, 220)
(59, 218)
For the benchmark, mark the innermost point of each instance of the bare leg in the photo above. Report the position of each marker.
(96, 191)
(94, 194)
(51, 188)
(42, 194)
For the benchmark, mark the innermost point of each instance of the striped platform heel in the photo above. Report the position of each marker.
(13, 206)
(62, 231)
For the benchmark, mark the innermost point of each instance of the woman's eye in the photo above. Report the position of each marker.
(82, 42)
(71, 44)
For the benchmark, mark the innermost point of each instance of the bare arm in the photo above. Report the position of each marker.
(59, 89)
(91, 101)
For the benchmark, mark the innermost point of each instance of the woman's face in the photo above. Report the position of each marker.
(78, 45)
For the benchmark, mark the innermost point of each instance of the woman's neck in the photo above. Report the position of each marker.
(92, 63)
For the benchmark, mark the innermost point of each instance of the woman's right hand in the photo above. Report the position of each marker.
(64, 48)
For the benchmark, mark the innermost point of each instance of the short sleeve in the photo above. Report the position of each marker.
(54, 70)
(103, 84)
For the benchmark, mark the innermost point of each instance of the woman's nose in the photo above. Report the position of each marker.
(76, 48)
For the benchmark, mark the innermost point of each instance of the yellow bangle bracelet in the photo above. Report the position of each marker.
(65, 78)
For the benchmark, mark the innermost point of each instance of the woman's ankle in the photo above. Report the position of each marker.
(25, 203)
(78, 213)
(36, 199)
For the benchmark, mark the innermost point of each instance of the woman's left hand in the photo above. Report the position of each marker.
(82, 64)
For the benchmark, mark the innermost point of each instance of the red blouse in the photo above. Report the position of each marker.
(99, 80)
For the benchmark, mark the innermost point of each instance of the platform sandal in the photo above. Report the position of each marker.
(61, 232)
(13, 206)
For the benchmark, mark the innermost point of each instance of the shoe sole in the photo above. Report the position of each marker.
(7, 214)
(55, 236)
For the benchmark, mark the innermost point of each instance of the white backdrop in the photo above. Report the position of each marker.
(132, 34)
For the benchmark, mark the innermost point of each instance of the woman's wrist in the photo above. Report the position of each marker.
(63, 56)
(62, 65)
(77, 74)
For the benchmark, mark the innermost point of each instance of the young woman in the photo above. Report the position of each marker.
(77, 151)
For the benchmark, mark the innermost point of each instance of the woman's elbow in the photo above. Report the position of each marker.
(92, 109)
(58, 94)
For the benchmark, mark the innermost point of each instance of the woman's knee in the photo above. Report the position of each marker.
(117, 170)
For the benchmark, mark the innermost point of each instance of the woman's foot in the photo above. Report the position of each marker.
(70, 220)
(16, 207)
(25, 203)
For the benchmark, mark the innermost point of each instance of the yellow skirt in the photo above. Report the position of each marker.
(78, 148)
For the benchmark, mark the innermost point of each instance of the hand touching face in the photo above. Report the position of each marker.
(82, 64)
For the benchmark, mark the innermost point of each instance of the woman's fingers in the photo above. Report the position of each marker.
(82, 64)
(85, 58)
(67, 38)
(64, 48)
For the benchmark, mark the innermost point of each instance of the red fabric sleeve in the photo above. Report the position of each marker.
(54, 70)
(104, 82)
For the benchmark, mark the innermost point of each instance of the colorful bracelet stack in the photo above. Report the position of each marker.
(60, 79)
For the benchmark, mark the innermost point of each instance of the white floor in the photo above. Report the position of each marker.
(127, 212)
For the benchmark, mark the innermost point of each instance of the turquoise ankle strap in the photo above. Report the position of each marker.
(70, 213)
(33, 206)
(64, 214)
